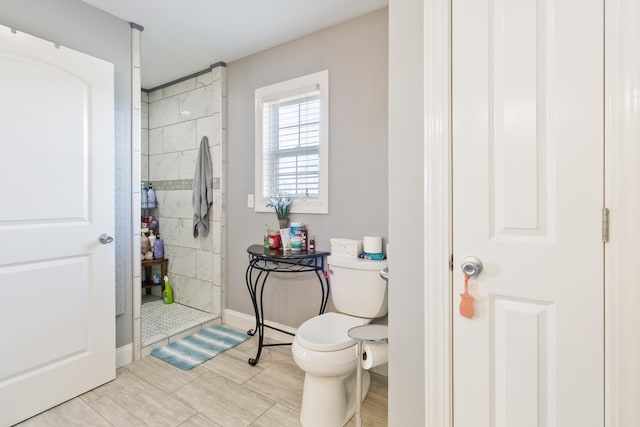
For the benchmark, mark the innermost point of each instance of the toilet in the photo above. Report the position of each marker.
(323, 349)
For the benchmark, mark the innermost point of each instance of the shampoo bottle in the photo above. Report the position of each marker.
(167, 294)
(158, 248)
(144, 204)
(151, 197)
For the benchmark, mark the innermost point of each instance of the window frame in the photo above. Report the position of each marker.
(316, 81)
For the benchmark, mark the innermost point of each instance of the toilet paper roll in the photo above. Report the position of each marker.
(372, 244)
(374, 354)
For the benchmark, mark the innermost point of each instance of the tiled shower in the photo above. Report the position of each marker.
(174, 119)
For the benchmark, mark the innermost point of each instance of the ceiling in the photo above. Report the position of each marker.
(183, 37)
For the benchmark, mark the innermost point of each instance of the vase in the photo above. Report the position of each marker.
(284, 222)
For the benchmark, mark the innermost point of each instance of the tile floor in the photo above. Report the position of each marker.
(224, 391)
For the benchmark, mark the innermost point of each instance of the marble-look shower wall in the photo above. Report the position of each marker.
(179, 116)
(144, 147)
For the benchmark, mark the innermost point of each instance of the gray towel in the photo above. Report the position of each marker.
(202, 190)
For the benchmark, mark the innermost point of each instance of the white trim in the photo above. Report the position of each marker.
(279, 90)
(124, 355)
(136, 148)
(242, 321)
(622, 158)
(437, 225)
(611, 201)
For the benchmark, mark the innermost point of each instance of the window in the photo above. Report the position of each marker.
(292, 123)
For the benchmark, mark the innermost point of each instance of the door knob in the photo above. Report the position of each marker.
(384, 273)
(471, 266)
(105, 238)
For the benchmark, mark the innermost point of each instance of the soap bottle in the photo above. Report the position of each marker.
(312, 244)
(167, 293)
(151, 197)
(158, 248)
(144, 204)
(266, 236)
(152, 239)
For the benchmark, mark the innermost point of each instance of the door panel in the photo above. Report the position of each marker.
(524, 335)
(56, 278)
(527, 198)
(55, 115)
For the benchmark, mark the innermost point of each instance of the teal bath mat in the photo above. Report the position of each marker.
(191, 351)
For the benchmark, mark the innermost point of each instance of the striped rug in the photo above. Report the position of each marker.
(191, 351)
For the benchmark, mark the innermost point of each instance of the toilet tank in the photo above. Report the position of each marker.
(356, 286)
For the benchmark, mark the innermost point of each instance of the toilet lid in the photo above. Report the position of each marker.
(328, 332)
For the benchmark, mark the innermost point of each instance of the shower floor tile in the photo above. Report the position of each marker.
(162, 321)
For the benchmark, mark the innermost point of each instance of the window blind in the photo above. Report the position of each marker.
(291, 145)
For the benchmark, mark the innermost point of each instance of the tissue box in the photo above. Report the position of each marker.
(349, 248)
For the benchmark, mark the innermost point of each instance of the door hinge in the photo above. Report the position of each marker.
(451, 263)
(605, 225)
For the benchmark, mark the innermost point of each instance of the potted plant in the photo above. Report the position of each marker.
(282, 205)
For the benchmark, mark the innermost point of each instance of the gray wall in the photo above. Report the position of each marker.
(407, 213)
(355, 53)
(77, 25)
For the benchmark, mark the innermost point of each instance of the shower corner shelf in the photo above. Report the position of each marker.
(147, 265)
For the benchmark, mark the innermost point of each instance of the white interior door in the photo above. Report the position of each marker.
(57, 321)
(527, 198)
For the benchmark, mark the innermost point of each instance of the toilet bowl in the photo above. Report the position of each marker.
(323, 349)
(328, 356)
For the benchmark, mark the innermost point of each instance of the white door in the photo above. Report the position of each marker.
(57, 322)
(527, 198)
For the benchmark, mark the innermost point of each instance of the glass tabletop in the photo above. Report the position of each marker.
(261, 251)
(370, 332)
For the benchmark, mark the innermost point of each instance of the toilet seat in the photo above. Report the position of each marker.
(328, 332)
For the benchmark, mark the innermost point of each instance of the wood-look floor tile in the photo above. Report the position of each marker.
(233, 364)
(224, 391)
(162, 374)
(374, 407)
(269, 354)
(278, 416)
(379, 385)
(124, 378)
(281, 382)
(75, 412)
(142, 404)
(199, 421)
(223, 401)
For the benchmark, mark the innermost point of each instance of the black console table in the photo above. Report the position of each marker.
(264, 261)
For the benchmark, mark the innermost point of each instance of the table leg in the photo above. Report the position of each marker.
(147, 279)
(163, 272)
(252, 293)
(324, 287)
(258, 308)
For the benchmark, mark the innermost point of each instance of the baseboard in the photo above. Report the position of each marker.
(245, 322)
(124, 355)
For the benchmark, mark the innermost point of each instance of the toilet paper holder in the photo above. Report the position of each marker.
(372, 333)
